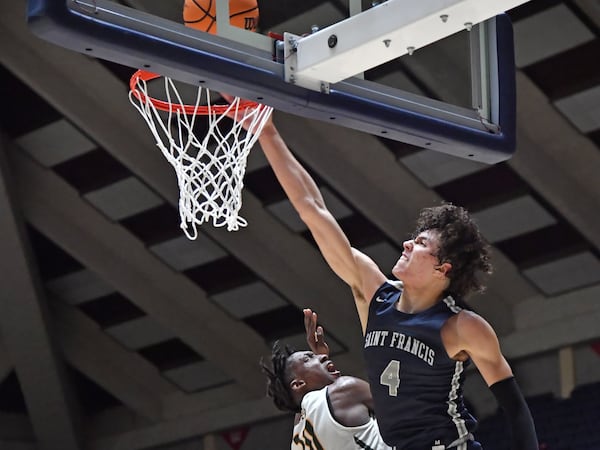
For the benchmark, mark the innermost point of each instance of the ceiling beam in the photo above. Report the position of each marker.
(546, 324)
(125, 374)
(591, 8)
(27, 329)
(568, 331)
(557, 160)
(128, 376)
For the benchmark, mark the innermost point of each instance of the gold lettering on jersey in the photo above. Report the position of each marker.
(401, 341)
(308, 440)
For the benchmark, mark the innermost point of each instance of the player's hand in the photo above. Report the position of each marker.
(238, 114)
(314, 334)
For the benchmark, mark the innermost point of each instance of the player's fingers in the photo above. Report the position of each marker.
(228, 98)
(308, 322)
(307, 315)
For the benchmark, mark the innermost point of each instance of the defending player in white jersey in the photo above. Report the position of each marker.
(333, 412)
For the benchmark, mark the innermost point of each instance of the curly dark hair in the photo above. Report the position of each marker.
(461, 244)
(277, 373)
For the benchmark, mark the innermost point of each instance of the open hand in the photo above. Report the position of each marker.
(314, 334)
(238, 114)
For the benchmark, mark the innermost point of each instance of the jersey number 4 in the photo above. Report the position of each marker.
(390, 377)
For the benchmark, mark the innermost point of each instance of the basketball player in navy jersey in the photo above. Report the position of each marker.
(418, 339)
(333, 412)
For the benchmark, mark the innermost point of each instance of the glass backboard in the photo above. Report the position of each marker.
(469, 113)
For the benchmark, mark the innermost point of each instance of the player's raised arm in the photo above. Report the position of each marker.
(351, 265)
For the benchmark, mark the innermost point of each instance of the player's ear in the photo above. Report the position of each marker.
(297, 384)
(444, 268)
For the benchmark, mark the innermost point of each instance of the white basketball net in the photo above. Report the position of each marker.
(210, 170)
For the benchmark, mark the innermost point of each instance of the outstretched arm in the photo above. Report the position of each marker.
(351, 265)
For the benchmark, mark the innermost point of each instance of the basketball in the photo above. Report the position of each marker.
(201, 14)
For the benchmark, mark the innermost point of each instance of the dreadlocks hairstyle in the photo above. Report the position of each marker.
(461, 244)
(277, 378)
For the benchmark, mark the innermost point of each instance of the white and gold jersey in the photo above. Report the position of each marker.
(317, 429)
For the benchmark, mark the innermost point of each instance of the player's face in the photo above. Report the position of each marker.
(317, 371)
(418, 260)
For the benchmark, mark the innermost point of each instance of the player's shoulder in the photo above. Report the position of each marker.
(467, 331)
(347, 381)
(347, 384)
(468, 322)
(467, 317)
(348, 390)
(471, 326)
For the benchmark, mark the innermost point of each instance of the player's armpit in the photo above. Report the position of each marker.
(370, 278)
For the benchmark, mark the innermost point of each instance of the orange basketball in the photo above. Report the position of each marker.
(201, 14)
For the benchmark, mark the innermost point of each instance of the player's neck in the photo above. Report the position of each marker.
(414, 300)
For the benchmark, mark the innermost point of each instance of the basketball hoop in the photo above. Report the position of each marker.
(210, 170)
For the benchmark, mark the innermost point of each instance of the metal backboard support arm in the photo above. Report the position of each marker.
(387, 31)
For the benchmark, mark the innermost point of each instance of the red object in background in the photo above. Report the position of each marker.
(235, 438)
(596, 347)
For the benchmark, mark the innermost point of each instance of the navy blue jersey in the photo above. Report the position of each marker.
(416, 387)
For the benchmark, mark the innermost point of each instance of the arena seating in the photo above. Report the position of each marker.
(561, 424)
